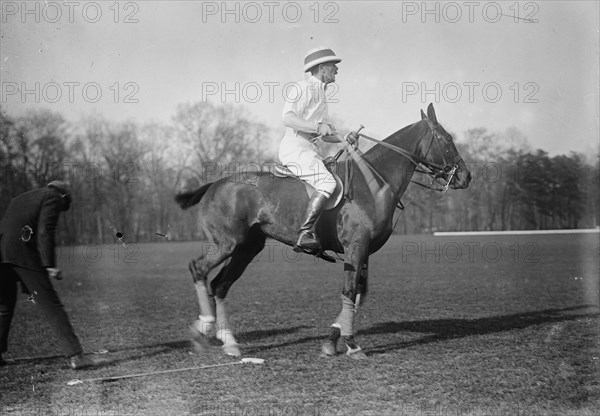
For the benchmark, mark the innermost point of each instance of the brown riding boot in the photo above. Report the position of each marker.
(307, 241)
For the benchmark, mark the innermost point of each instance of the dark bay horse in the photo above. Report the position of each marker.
(238, 216)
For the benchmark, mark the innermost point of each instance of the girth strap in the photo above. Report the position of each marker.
(348, 176)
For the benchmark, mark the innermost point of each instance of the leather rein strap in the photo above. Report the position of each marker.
(417, 161)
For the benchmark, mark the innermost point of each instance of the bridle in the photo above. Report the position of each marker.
(438, 171)
(422, 165)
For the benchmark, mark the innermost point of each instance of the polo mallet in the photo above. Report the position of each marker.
(367, 172)
(175, 370)
(339, 153)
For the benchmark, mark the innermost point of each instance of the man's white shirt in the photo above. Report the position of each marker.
(307, 100)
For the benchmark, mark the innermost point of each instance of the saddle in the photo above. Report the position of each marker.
(341, 189)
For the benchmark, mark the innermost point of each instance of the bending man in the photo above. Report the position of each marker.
(27, 254)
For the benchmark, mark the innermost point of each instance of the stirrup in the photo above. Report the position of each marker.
(300, 248)
(307, 250)
(317, 253)
(326, 257)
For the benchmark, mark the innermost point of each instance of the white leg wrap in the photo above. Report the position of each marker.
(224, 333)
(204, 301)
(204, 324)
(226, 337)
(345, 320)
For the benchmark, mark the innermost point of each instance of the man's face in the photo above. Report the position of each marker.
(329, 72)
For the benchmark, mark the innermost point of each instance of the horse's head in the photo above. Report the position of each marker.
(440, 155)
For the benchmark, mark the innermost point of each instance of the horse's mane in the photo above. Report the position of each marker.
(395, 137)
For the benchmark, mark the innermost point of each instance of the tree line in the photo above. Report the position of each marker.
(124, 175)
(513, 188)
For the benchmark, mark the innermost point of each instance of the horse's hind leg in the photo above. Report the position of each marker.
(220, 285)
(199, 268)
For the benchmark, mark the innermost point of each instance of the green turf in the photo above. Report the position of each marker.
(451, 326)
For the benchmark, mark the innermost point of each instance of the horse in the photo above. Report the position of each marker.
(239, 215)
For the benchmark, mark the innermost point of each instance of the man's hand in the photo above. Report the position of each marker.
(325, 129)
(352, 138)
(54, 273)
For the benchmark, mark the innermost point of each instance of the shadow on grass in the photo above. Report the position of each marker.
(436, 330)
(161, 348)
(260, 334)
(135, 352)
(212, 343)
(446, 329)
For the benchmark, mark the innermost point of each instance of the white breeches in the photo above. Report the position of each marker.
(301, 157)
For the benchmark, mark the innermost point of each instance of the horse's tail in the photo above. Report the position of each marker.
(190, 198)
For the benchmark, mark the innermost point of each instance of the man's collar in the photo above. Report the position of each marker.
(314, 80)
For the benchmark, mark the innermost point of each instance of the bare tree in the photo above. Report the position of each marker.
(214, 137)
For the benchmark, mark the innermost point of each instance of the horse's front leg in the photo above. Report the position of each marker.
(355, 289)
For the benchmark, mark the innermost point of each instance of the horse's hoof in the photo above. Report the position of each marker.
(201, 327)
(232, 350)
(198, 346)
(356, 353)
(199, 341)
(328, 349)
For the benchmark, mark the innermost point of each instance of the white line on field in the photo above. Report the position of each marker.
(519, 232)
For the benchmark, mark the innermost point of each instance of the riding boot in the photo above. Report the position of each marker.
(307, 241)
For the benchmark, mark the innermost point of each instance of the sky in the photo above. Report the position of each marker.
(529, 65)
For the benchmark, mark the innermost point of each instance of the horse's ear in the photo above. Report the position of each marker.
(431, 113)
(423, 116)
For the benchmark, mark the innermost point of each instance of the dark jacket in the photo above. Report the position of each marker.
(37, 210)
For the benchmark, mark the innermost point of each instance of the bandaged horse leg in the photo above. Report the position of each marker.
(354, 289)
(202, 328)
(345, 321)
(224, 332)
(342, 327)
(354, 351)
(233, 269)
(206, 320)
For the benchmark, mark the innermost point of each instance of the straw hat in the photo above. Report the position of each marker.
(318, 56)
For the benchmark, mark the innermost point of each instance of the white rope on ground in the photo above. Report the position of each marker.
(175, 370)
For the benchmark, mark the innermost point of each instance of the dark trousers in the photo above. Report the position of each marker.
(46, 298)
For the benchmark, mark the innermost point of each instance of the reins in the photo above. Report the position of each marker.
(411, 157)
(430, 167)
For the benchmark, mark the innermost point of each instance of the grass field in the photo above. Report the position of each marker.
(494, 325)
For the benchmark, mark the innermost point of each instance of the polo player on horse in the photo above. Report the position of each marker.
(305, 115)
